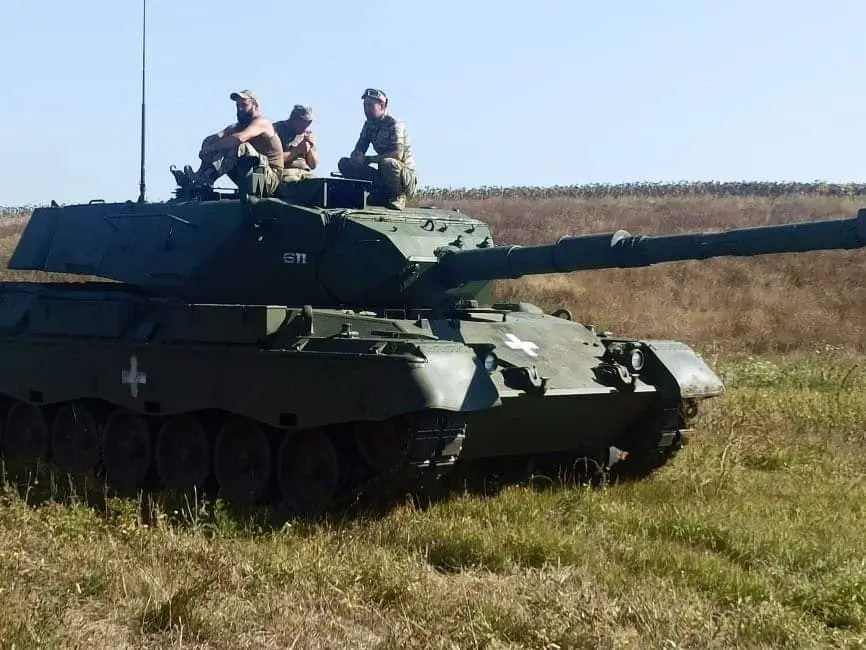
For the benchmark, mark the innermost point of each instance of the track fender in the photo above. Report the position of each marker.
(678, 362)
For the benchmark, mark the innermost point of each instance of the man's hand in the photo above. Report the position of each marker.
(299, 145)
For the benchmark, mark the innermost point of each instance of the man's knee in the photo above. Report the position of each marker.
(347, 166)
(246, 149)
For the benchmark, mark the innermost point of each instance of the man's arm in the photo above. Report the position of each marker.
(233, 140)
(363, 141)
(215, 137)
(312, 156)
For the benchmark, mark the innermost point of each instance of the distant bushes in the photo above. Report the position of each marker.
(620, 190)
(659, 190)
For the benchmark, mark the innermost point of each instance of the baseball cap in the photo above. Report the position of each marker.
(375, 93)
(302, 112)
(244, 94)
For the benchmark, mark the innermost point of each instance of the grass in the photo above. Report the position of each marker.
(752, 538)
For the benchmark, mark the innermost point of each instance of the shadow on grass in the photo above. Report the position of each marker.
(204, 509)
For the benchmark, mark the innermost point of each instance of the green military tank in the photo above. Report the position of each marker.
(312, 347)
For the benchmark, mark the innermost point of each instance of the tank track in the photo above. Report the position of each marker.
(651, 447)
(99, 448)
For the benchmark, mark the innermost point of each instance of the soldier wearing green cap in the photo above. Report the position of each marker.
(300, 156)
(252, 138)
(395, 180)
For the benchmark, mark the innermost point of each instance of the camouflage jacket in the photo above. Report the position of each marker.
(385, 135)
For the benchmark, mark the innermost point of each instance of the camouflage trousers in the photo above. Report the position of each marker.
(236, 164)
(391, 180)
(297, 171)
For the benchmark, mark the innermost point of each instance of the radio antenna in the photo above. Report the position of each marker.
(143, 33)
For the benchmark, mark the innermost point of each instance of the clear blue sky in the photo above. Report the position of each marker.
(542, 93)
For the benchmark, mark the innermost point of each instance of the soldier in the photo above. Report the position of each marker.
(395, 179)
(252, 137)
(300, 156)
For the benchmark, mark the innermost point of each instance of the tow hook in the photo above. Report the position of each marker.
(615, 374)
(526, 379)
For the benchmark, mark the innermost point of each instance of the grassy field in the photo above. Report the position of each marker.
(751, 538)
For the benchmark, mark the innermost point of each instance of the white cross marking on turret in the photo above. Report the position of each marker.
(132, 376)
(516, 344)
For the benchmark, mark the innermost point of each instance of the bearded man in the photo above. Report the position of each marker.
(252, 138)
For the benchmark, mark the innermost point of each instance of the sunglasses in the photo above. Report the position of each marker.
(375, 94)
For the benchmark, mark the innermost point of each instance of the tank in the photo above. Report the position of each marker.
(309, 349)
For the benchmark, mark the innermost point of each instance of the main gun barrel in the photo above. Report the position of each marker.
(623, 250)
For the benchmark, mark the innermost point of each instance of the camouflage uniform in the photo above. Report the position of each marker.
(228, 163)
(298, 169)
(262, 154)
(395, 178)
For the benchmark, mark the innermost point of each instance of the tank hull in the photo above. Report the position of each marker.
(259, 402)
(312, 408)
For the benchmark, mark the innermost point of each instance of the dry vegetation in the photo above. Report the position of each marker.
(752, 538)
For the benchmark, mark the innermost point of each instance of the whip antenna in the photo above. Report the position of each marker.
(143, 32)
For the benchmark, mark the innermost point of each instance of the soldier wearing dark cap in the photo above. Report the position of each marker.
(300, 156)
(252, 137)
(395, 180)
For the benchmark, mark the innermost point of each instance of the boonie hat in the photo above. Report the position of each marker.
(244, 94)
(302, 112)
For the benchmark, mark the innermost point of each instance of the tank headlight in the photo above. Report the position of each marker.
(490, 362)
(636, 359)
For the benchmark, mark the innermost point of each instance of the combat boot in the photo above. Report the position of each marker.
(181, 177)
(398, 202)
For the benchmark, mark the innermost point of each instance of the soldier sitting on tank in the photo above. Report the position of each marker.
(395, 180)
(300, 156)
(251, 140)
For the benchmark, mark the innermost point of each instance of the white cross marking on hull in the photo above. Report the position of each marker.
(132, 376)
(516, 344)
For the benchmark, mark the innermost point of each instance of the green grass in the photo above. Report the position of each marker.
(753, 537)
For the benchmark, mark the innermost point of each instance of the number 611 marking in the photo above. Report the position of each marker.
(294, 258)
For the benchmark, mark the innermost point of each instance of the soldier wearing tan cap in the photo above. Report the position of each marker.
(300, 156)
(251, 137)
(395, 180)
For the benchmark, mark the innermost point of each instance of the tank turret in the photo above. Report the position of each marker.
(322, 244)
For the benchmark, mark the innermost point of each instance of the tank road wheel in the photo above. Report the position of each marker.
(308, 471)
(75, 441)
(127, 450)
(242, 461)
(182, 453)
(26, 438)
(381, 444)
(26, 441)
